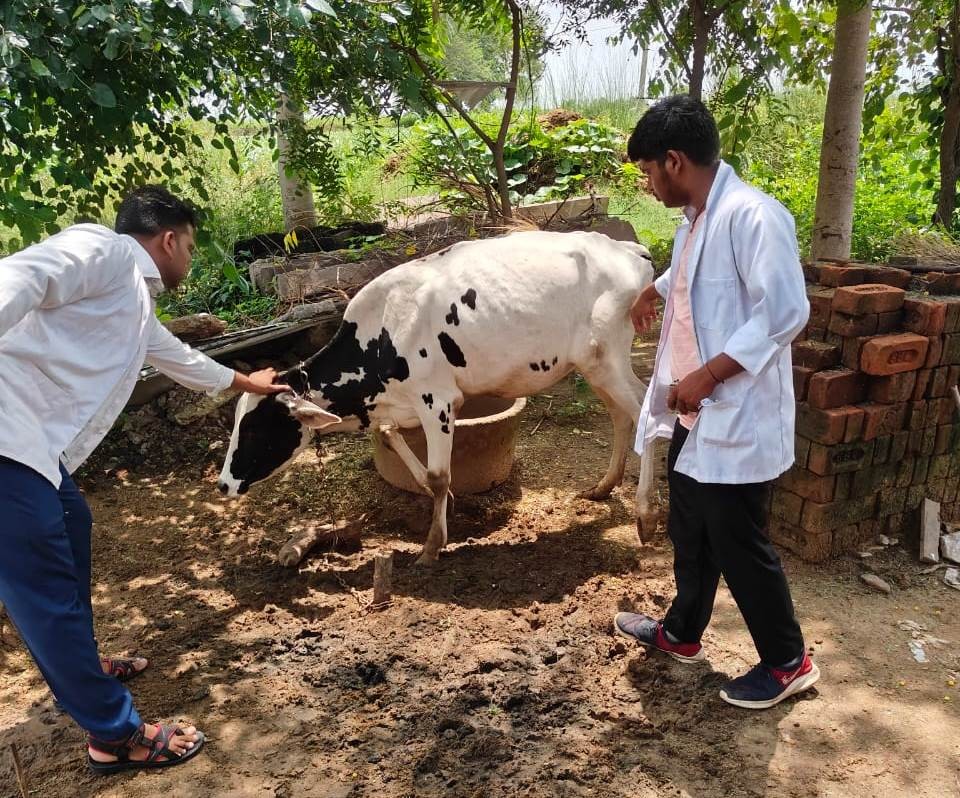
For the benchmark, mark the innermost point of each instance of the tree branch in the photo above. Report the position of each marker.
(678, 51)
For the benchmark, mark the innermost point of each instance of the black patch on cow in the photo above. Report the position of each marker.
(470, 299)
(448, 408)
(452, 317)
(544, 366)
(451, 351)
(555, 361)
(423, 353)
(535, 367)
(343, 357)
(428, 400)
(443, 417)
(268, 436)
(445, 429)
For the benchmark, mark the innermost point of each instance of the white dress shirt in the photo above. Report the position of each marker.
(77, 322)
(748, 300)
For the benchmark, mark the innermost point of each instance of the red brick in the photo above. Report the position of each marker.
(808, 485)
(820, 301)
(923, 382)
(898, 446)
(916, 415)
(786, 506)
(895, 388)
(881, 449)
(810, 546)
(801, 450)
(815, 355)
(890, 322)
(820, 516)
(850, 352)
(934, 352)
(939, 467)
(890, 354)
(929, 442)
(874, 420)
(892, 501)
(951, 322)
(811, 272)
(868, 298)
(833, 274)
(841, 491)
(924, 316)
(896, 419)
(920, 470)
(915, 496)
(898, 278)
(941, 411)
(835, 388)
(816, 333)
(845, 539)
(853, 326)
(953, 376)
(854, 428)
(942, 445)
(833, 339)
(951, 350)
(938, 383)
(827, 426)
(940, 283)
(801, 379)
(839, 459)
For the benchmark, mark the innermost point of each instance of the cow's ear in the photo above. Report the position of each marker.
(308, 413)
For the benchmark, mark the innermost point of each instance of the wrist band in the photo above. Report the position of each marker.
(710, 372)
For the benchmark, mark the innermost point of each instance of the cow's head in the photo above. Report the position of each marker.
(268, 433)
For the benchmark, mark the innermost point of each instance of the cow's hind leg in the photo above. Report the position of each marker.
(439, 434)
(622, 392)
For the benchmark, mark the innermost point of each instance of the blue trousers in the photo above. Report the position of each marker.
(45, 585)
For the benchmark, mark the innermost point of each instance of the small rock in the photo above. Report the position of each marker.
(875, 582)
(950, 547)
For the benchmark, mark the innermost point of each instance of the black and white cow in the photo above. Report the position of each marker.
(506, 316)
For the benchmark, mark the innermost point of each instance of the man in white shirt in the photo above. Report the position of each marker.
(77, 322)
(722, 390)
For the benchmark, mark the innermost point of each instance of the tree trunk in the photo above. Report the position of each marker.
(950, 133)
(839, 153)
(296, 196)
(701, 36)
(644, 61)
(506, 210)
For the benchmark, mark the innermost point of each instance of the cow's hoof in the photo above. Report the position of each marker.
(427, 560)
(646, 527)
(595, 494)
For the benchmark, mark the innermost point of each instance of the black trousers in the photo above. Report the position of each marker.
(719, 529)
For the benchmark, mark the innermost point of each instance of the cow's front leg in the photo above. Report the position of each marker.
(439, 434)
(398, 445)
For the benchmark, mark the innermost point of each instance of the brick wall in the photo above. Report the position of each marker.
(877, 427)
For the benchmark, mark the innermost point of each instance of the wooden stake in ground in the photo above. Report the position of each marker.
(18, 770)
(296, 548)
(382, 577)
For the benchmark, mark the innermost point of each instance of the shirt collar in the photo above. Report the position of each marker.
(145, 264)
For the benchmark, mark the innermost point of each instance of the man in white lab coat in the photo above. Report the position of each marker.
(77, 322)
(722, 390)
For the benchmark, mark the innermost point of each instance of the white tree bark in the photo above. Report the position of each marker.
(296, 196)
(833, 219)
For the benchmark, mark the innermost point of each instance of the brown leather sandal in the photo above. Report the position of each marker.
(158, 756)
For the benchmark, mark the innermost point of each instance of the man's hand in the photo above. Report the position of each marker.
(261, 382)
(643, 312)
(692, 390)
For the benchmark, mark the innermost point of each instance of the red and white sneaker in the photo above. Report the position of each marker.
(649, 632)
(763, 687)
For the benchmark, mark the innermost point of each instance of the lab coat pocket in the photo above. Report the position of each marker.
(715, 304)
(727, 424)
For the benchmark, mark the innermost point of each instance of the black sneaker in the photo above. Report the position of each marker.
(763, 687)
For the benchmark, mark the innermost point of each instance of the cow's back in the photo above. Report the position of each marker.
(490, 309)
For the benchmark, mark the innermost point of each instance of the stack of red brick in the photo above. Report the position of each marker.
(877, 425)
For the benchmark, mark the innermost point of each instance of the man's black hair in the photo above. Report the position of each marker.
(678, 123)
(147, 210)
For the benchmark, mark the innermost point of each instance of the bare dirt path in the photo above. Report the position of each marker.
(493, 674)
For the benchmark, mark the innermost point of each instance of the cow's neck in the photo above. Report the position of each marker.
(348, 375)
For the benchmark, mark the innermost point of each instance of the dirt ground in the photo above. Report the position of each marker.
(494, 673)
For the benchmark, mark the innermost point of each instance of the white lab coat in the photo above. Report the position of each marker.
(748, 299)
(77, 322)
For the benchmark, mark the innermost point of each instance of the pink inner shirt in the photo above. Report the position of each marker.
(684, 355)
